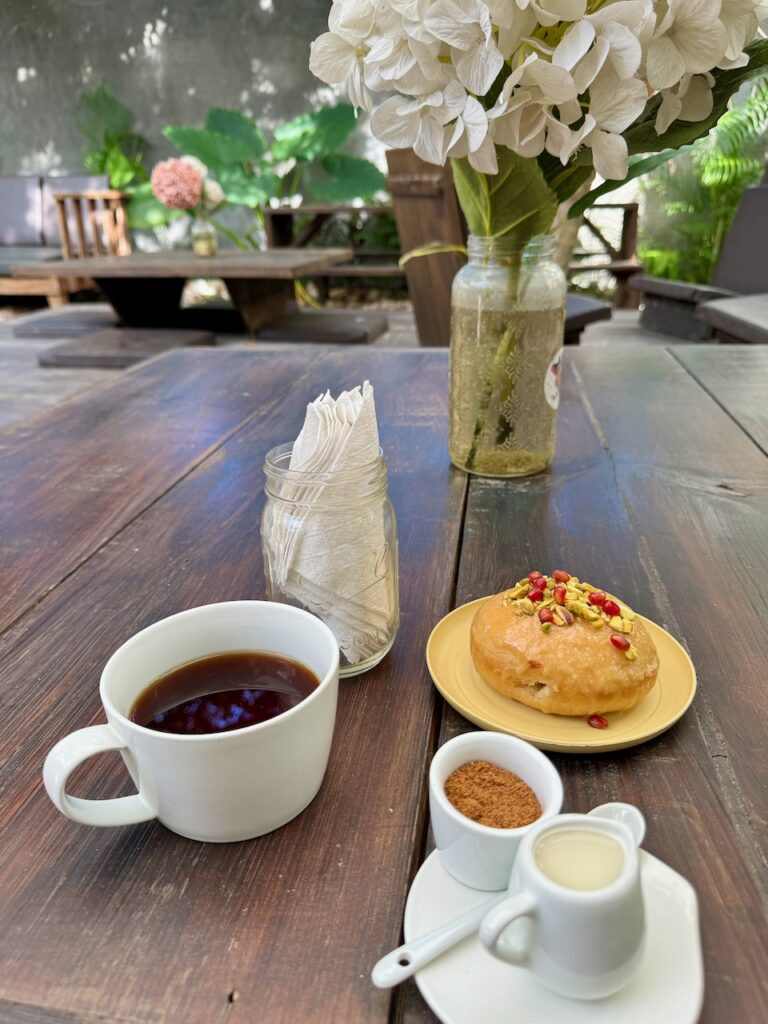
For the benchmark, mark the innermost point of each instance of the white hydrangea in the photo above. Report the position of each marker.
(568, 73)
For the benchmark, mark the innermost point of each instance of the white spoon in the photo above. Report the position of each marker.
(404, 961)
(409, 958)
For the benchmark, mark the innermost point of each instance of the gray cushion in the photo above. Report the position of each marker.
(17, 255)
(64, 183)
(680, 291)
(744, 318)
(742, 266)
(20, 210)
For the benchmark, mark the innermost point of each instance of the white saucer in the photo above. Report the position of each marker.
(467, 984)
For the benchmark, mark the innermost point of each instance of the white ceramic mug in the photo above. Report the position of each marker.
(582, 943)
(218, 787)
(478, 855)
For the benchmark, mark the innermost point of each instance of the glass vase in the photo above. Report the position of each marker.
(205, 241)
(507, 325)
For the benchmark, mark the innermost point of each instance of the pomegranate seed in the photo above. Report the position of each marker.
(559, 595)
(611, 608)
(533, 576)
(597, 722)
(560, 577)
(535, 594)
(545, 615)
(620, 641)
(598, 598)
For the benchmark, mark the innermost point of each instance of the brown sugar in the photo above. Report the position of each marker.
(492, 796)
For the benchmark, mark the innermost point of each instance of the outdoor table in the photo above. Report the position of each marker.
(142, 498)
(145, 288)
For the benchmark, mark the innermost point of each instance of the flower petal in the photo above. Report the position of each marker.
(431, 141)
(331, 58)
(609, 155)
(664, 64)
(478, 67)
(475, 123)
(668, 111)
(585, 71)
(625, 53)
(697, 103)
(484, 158)
(450, 24)
(616, 104)
(574, 45)
(390, 126)
(556, 83)
(701, 45)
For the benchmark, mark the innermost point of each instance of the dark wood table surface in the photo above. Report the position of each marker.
(145, 288)
(142, 498)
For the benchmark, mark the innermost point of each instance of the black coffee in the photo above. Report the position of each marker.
(223, 692)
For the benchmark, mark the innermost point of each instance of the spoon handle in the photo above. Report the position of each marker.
(404, 961)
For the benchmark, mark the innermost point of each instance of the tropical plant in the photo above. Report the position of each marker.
(302, 157)
(690, 202)
(113, 147)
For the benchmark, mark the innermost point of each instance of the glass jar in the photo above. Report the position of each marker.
(205, 241)
(330, 546)
(507, 325)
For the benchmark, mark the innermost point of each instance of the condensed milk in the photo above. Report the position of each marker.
(579, 858)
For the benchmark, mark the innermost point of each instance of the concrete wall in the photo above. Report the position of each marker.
(168, 60)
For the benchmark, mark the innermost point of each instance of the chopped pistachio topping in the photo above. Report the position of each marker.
(576, 603)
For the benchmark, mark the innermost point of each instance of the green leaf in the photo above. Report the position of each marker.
(246, 189)
(637, 165)
(515, 204)
(237, 125)
(144, 211)
(642, 138)
(99, 113)
(350, 177)
(215, 149)
(314, 135)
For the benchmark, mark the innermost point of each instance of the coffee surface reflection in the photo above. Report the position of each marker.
(223, 692)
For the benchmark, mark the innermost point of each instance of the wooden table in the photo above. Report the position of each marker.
(145, 288)
(142, 498)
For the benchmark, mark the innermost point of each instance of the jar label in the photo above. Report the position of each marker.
(552, 382)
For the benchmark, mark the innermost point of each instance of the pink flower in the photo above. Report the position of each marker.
(178, 184)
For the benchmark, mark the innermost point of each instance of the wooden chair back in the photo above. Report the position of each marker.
(426, 210)
(92, 223)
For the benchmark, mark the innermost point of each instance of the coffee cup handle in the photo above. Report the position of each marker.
(499, 918)
(62, 761)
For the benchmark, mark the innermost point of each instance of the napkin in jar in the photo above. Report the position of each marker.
(328, 542)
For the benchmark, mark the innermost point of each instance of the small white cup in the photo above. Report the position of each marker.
(215, 787)
(478, 855)
(585, 944)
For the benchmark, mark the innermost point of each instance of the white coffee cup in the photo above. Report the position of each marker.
(582, 943)
(478, 855)
(218, 787)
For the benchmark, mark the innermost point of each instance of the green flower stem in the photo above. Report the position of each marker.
(498, 381)
(231, 235)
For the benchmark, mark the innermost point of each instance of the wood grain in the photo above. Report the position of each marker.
(140, 924)
(70, 479)
(737, 378)
(283, 263)
(633, 503)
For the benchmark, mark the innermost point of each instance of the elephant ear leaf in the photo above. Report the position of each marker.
(514, 204)
(237, 125)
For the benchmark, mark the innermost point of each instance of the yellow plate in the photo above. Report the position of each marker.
(454, 675)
